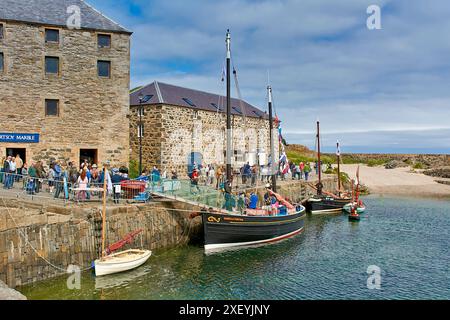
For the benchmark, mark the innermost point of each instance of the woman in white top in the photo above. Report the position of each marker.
(82, 182)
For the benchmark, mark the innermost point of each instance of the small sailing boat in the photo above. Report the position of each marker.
(356, 204)
(109, 262)
(254, 226)
(354, 216)
(325, 202)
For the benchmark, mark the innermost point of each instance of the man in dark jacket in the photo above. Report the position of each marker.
(6, 172)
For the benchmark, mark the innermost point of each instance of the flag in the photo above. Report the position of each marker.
(224, 73)
(338, 150)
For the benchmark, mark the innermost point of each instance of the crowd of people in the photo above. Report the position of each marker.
(215, 175)
(60, 177)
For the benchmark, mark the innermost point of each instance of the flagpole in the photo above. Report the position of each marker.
(338, 153)
(228, 164)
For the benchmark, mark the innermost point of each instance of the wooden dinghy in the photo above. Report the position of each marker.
(121, 261)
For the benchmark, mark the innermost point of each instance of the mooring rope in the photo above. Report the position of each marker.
(31, 246)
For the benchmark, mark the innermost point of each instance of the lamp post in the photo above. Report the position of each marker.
(140, 131)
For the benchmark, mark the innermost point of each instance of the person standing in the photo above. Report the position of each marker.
(6, 174)
(194, 180)
(307, 170)
(12, 170)
(302, 169)
(51, 177)
(212, 174)
(19, 166)
(82, 185)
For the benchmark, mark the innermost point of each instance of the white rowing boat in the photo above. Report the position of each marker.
(121, 261)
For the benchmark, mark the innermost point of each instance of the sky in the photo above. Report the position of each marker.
(384, 91)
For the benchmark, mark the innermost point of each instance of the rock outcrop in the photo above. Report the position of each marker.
(7, 293)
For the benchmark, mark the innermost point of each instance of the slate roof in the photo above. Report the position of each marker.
(54, 13)
(162, 93)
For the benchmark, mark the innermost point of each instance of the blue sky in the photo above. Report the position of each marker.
(382, 90)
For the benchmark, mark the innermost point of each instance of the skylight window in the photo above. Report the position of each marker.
(216, 106)
(257, 113)
(189, 102)
(237, 110)
(147, 98)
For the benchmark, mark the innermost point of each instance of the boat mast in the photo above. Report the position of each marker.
(338, 153)
(272, 146)
(228, 42)
(105, 172)
(318, 152)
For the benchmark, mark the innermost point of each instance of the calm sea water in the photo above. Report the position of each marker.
(408, 239)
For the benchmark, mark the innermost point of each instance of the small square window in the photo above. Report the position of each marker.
(52, 65)
(2, 63)
(51, 108)
(104, 68)
(51, 35)
(104, 41)
(2, 35)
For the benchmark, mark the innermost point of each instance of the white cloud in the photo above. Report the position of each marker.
(323, 61)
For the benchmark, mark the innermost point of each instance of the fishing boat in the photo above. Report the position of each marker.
(359, 207)
(224, 230)
(110, 262)
(356, 203)
(326, 202)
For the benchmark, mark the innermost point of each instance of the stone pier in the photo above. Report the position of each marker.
(38, 241)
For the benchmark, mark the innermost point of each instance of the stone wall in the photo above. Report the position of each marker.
(172, 133)
(72, 235)
(93, 110)
(429, 160)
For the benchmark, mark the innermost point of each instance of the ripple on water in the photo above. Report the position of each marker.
(406, 238)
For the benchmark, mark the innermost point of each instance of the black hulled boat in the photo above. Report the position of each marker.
(255, 226)
(325, 202)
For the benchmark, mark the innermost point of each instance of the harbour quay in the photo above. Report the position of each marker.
(39, 240)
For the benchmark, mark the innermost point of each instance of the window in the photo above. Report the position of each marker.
(104, 40)
(257, 114)
(2, 35)
(51, 35)
(104, 68)
(141, 130)
(147, 98)
(237, 110)
(216, 106)
(1, 62)
(51, 108)
(189, 102)
(52, 65)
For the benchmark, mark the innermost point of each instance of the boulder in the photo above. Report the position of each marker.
(7, 293)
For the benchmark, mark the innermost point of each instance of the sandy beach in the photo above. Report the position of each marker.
(399, 181)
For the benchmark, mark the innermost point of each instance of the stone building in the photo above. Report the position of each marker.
(181, 126)
(64, 82)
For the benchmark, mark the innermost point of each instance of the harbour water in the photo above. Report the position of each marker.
(407, 238)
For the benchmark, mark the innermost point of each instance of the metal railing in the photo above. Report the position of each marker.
(208, 190)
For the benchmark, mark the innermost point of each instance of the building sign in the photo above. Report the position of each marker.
(19, 137)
